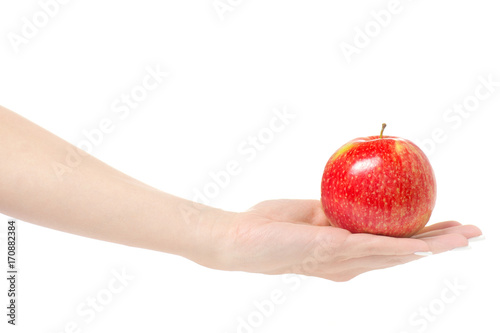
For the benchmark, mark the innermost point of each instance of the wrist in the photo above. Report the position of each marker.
(209, 235)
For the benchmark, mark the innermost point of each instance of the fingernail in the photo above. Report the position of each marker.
(477, 239)
(462, 248)
(423, 254)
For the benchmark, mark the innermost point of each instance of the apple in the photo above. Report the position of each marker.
(381, 185)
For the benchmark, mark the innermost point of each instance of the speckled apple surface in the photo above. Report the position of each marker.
(381, 185)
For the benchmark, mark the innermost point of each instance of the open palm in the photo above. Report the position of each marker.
(294, 236)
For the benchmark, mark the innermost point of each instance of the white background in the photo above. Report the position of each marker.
(226, 75)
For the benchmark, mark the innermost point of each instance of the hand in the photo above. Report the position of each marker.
(294, 236)
(94, 200)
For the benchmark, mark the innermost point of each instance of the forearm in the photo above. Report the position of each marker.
(95, 200)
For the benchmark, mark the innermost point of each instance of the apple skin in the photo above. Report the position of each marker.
(381, 185)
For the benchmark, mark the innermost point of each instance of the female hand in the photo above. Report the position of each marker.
(294, 236)
(41, 183)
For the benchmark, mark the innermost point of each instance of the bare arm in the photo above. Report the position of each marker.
(92, 199)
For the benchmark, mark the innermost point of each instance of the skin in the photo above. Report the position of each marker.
(94, 200)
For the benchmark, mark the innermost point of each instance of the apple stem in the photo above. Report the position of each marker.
(382, 131)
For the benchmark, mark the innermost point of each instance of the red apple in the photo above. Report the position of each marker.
(380, 185)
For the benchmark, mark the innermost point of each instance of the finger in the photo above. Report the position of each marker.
(446, 242)
(435, 244)
(357, 266)
(440, 225)
(361, 265)
(468, 231)
(362, 245)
